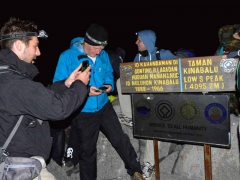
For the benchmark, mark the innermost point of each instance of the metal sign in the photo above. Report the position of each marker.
(187, 118)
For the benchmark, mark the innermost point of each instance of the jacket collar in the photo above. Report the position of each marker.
(8, 57)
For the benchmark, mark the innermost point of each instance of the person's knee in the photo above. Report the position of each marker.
(42, 161)
(45, 174)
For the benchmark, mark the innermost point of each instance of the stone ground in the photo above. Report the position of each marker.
(185, 162)
(59, 174)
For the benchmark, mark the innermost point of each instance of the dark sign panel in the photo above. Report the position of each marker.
(198, 74)
(186, 118)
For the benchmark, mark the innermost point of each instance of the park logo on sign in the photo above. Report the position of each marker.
(143, 109)
(228, 65)
(164, 110)
(127, 71)
(188, 111)
(215, 113)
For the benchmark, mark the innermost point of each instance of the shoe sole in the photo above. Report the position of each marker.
(74, 170)
(127, 124)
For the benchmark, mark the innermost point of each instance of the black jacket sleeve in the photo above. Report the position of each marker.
(35, 99)
(234, 54)
(58, 87)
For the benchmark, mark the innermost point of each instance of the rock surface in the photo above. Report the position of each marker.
(177, 161)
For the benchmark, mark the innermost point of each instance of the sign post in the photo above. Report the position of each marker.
(207, 162)
(181, 100)
(156, 159)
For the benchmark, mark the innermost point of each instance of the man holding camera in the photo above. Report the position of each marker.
(20, 95)
(97, 114)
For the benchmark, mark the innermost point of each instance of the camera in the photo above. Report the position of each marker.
(101, 89)
(85, 64)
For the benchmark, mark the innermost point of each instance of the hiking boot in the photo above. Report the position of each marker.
(125, 120)
(148, 170)
(137, 176)
(70, 168)
(148, 176)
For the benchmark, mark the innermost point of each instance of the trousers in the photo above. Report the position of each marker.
(148, 155)
(126, 108)
(58, 145)
(83, 137)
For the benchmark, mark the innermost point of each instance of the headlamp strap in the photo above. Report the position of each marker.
(41, 34)
(15, 36)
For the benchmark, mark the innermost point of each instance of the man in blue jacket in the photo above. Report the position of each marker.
(97, 114)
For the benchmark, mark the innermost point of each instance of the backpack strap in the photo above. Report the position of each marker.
(4, 69)
(158, 54)
(238, 79)
(3, 152)
(12, 133)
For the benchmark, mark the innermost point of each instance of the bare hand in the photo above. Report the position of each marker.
(84, 76)
(224, 56)
(109, 88)
(76, 74)
(93, 91)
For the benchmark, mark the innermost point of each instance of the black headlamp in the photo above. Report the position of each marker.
(40, 34)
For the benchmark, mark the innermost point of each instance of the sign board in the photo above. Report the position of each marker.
(198, 74)
(186, 118)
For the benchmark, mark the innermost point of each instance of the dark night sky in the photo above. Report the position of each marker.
(177, 25)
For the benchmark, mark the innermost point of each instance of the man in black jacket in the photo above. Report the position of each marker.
(19, 95)
(116, 57)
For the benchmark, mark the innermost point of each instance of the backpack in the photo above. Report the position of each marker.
(184, 53)
(164, 54)
(227, 42)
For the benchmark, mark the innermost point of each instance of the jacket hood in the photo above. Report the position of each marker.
(8, 57)
(77, 43)
(149, 39)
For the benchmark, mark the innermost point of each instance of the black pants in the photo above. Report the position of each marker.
(58, 145)
(83, 139)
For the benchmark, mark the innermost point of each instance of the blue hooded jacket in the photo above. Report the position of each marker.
(101, 72)
(149, 39)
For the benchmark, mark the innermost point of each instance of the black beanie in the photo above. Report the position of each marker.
(96, 35)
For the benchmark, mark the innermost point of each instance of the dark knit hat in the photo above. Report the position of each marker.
(96, 35)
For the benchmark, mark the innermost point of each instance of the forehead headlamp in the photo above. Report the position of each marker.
(40, 34)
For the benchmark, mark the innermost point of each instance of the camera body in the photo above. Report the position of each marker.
(85, 64)
(101, 89)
